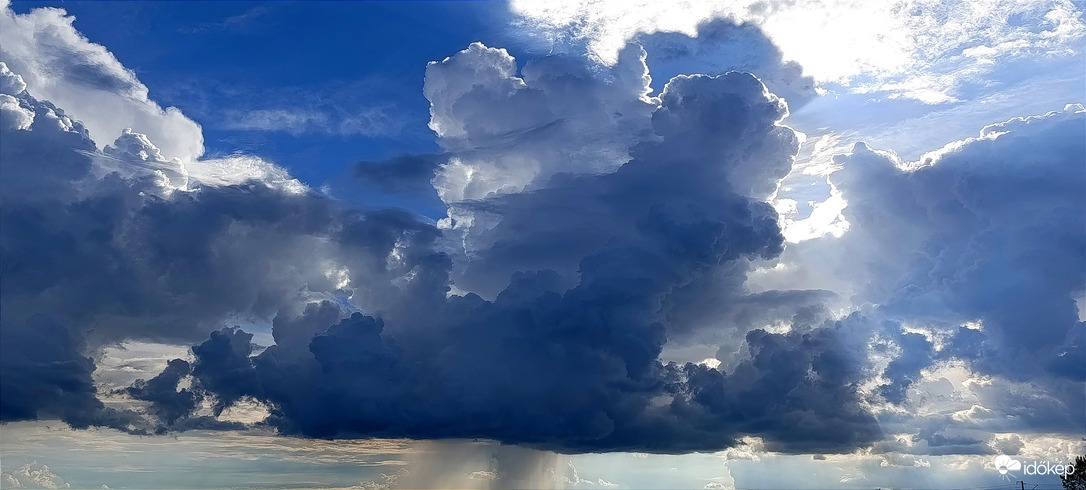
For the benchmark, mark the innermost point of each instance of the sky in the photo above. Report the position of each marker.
(565, 244)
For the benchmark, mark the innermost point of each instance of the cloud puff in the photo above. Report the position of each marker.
(502, 128)
(507, 134)
(27, 476)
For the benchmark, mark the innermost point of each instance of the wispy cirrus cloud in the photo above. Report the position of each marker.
(295, 121)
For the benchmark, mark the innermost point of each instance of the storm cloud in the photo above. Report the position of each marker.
(595, 217)
(574, 367)
(566, 355)
(106, 246)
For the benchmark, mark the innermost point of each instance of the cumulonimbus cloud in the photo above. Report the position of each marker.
(590, 224)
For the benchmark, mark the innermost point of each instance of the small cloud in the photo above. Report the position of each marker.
(371, 121)
(32, 475)
(387, 480)
(235, 23)
(483, 475)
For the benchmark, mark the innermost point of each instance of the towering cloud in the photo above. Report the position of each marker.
(502, 127)
(565, 358)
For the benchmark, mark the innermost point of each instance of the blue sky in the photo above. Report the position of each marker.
(564, 244)
(257, 75)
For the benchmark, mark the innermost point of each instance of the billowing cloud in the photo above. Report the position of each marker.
(987, 230)
(581, 329)
(968, 265)
(593, 232)
(720, 46)
(924, 50)
(107, 246)
(62, 66)
(33, 475)
(501, 126)
(579, 348)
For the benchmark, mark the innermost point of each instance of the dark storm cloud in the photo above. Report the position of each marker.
(162, 391)
(593, 266)
(603, 223)
(47, 135)
(43, 369)
(916, 354)
(223, 366)
(797, 390)
(716, 137)
(571, 363)
(99, 247)
(44, 374)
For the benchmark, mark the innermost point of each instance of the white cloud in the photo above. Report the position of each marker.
(118, 366)
(825, 218)
(918, 49)
(492, 67)
(59, 64)
(246, 411)
(31, 475)
(508, 132)
(133, 155)
(237, 169)
(483, 475)
(289, 121)
(369, 121)
(387, 480)
(14, 116)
